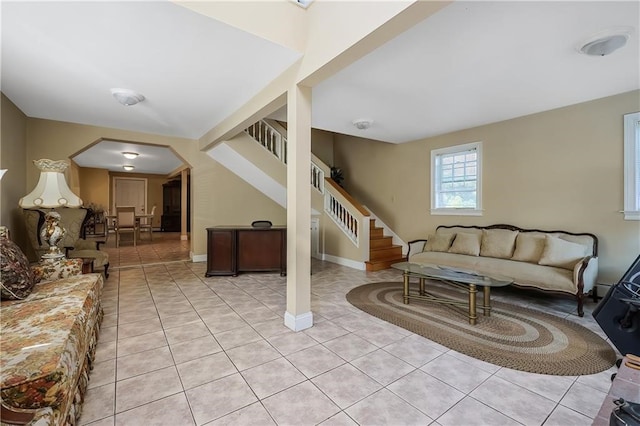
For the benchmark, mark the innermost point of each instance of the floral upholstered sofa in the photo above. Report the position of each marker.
(49, 334)
(553, 261)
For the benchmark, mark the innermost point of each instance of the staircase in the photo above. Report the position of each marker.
(382, 252)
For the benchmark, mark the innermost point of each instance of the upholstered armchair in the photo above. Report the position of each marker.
(74, 242)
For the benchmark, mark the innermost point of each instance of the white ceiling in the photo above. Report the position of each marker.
(470, 64)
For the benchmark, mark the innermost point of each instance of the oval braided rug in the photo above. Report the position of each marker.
(513, 336)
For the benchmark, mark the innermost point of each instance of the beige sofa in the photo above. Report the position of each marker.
(552, 261)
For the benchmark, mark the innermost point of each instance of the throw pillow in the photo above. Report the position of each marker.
(439, 242)
(561, 253)
(466, 243)
(529, 247)
(498, 243)
(16, 278)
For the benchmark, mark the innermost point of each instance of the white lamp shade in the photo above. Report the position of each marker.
(52, 189)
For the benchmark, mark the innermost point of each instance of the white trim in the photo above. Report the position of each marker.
(361, 266)
(631, 210)
(198, 257)
(300, 322)
(477, 211)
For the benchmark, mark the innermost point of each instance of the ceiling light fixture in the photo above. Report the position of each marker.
(128, 167)
(130, 155)
(605, 42)
(362, 123)
(127, 97)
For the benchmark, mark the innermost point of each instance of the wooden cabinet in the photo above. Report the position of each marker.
(171, 206)
(231, 250)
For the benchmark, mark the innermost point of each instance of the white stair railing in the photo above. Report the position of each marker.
(271, 139)
(342, 217)
(317, 177)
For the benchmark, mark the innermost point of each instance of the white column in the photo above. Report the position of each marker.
(298, 316)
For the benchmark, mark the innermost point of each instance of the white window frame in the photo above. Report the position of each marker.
(461, 211)
(631, 166)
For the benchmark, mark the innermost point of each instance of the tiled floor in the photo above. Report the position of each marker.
(177, 348)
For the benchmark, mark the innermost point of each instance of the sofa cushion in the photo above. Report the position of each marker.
(56, 269)
(466, 243)
(439, 242)
(529, 247)
(498, 243)
(560, 253)
(16, 277)
(524, 274)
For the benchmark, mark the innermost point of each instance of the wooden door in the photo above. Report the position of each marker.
(130, 192)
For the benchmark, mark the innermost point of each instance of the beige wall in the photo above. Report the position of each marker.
(322, 145)
(13, 156)
(94, 186)
(559, 169)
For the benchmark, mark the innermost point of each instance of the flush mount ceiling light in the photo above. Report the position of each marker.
(362, 123)
(130, 155)
(605, 42)
(127, 97)
(128, 167)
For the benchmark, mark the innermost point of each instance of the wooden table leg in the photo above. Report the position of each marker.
(421, 286)
(472, 304)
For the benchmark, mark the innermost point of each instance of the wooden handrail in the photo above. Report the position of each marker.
(348, 197)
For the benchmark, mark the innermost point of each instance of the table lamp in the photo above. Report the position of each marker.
(50, 192)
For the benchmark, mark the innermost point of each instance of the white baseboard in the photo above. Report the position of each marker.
(198, 257)
(300, 322)
(361, 266)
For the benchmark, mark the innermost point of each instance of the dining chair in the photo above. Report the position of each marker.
(146, 223)
(126, 222)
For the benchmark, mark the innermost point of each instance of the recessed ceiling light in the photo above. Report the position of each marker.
(605, 42)
(362, 123)
(127, 97)
(130, 155)
(128, 167)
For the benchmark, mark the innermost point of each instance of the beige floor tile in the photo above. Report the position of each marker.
(385, 408)
(105, 351)
(382, 366)
(146, 388)
(99, 403)
(514, 401)
(171, 321)
(563, 416)
(315, 360)
(206, 369)
(456, 373)
(340, 419)
(193, 349)
(139, 328)
(288, 343)
(415, 350)
(103, 373)
(584, 399)
(252, 415)
(325, 331)
(272, 377)
(270, 328)
(186, 332)
(346, 385)
(172, 410)
(350, 347)
(253, 354)
(219, 398)
(143, 362)
(551, 387)
(470, 412)
(426, 393)
(145, 342)
(238, 337)
(301, 405)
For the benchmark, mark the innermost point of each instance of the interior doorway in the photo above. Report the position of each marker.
(130, 192)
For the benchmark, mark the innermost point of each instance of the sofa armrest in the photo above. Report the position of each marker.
(585, 273)
(56, 270)
(415, 246)
(11, 417)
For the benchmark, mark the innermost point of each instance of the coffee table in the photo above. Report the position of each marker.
(463, 279)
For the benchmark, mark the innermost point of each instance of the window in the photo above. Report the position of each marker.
(456, 180)
(632, 166)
